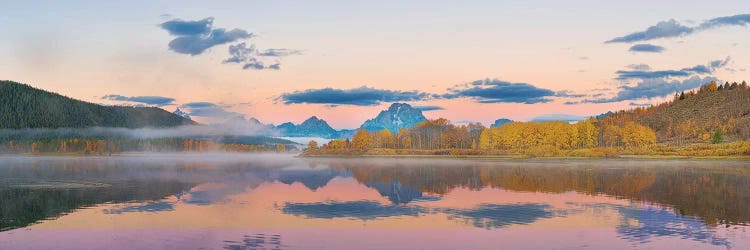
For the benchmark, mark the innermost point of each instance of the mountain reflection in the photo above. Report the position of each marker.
(716, 194)
(681, 199)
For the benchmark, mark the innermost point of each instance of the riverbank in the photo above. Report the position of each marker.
(523, 157)
(733, 150)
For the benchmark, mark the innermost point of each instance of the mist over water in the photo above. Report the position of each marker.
(229, 129)
(237, 201)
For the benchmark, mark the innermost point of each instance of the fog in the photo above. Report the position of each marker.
(217, 130)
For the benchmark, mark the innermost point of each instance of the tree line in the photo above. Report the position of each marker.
(89, 146)
(440, 134)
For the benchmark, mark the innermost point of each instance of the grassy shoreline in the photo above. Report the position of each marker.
(732, 150)
(523, 157)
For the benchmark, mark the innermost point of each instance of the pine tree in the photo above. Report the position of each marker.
(718, 137)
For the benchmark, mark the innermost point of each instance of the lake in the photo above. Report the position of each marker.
(233, 201)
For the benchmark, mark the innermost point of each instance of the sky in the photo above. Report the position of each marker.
(344, 61)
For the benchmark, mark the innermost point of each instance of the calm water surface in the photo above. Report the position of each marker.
(284, 202)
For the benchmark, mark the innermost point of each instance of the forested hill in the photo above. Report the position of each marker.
(696, 115)
(22, 106)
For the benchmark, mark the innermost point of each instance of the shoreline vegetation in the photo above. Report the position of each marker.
(676, 128)
(733, 150)
(710, 122)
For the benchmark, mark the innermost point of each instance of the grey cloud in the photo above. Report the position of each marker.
(362, 96)
(672, 28)
(648, 48)
(650, 88)
(150, 100)
(497, 91)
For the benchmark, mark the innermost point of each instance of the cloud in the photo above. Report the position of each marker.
(249, 57)
(662, 29)
(639, 67)
(684, 72)
(558, 117)
(635, 104)
(239, 53)
(207, 109)
(736, 20)
(497, 91)
(195, 37)
(641, 74)
(672, 28)
(279, 52)
(150, 100)
(362, 96)
(428, 108)
(567, 93)
(650, 88)
(195, 45)
(178, 27)
(649, 48)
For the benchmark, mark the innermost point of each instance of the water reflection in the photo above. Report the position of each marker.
(638, 202)
(257, 241)
(363, 210)
(500, 215)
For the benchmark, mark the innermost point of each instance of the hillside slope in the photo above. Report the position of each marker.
(697, 114)
(22, 106)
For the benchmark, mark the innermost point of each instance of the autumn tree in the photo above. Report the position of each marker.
(362, 140)
(312, 144)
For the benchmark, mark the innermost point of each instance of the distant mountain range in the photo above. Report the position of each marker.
(312, 127)
(396, 117)
(23, 106)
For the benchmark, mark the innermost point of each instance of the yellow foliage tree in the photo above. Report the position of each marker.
(362, 140)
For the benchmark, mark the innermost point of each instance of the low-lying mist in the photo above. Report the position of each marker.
(188, 131)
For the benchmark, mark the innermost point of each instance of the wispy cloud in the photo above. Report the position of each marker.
(638, 67)
(650, 88)
(149, 100)
(208, 109)
(635, 104)
(672, 28)
(362, 96)
(428, 108)
(649, 48)
(646, 73)
(250, 58)
(279, 52)
(195, 37)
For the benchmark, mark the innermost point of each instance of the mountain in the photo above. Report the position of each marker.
(500, 122)
(312, 127)
(23, 106)
(181, 113)
(558, 117)
(396, 117)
